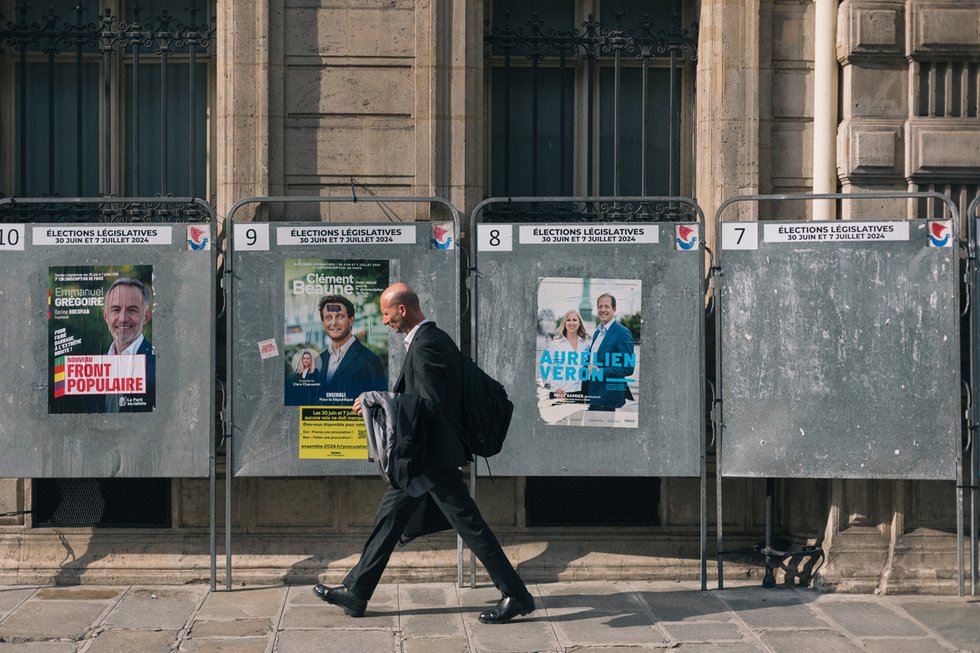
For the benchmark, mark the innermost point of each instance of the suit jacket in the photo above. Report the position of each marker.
(151, 379)
(359, 371)
(611, 392)
(433, 370)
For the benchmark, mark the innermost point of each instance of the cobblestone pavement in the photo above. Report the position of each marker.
(626, 616)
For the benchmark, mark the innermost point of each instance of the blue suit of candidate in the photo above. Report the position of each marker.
(612, 391)
(360, 371)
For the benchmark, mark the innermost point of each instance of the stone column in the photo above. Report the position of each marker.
(728, 107)
(249, 103)
(455, 142)
(874, 104)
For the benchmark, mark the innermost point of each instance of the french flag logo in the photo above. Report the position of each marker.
(940, 233)
(197, 238)
(442, 236)
(686, 237)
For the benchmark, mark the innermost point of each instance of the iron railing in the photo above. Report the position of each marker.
(557, 209)
(36, 35)
(596, 48)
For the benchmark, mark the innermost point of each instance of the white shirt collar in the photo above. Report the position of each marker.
(411, 334)
(132, 349)
(341, 350)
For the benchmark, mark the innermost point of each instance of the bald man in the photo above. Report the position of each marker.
(433, 371)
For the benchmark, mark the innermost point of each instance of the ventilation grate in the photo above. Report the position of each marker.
(107, 502)
(592, 501)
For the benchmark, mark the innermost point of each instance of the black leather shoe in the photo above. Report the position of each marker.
(506, 609)
(341, 596)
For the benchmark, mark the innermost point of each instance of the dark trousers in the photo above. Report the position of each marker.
(452, 497)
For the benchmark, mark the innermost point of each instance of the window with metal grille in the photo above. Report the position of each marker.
(588, 98)
(595, 501)
(108, 502)
(106, 97)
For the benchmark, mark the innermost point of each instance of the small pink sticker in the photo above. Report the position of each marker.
(268, 348)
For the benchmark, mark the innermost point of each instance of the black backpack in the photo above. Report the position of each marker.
(486, 411)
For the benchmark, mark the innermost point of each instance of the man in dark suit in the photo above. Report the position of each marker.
(347, 368)
(611, 359)
(432, 371)
(126, 310)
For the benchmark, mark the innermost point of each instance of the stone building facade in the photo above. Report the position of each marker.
(308, 94)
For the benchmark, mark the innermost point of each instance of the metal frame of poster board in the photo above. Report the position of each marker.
(808, 455)
(111, 221)
(972, 219)
(662, 280)
(268, 252)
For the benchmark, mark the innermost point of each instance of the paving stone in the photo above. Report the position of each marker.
(11, 597)
(243, 603)
(80, 593)
(336, 639)
(592, 613)
(39, 647)
(430, 609)
(528, 634)
(442, 622)
(440, 618)
(128, 641)
(234, 645)
(325, 615)
(868, 618)
(591, 595)
(231, 628)
(726, 647)
(599, 627)
(436, 645)
(910, 645)
(956, 621)
(811, 641)
(708, 631)
(384, 595)
(761, 608)
(51, 620)
(155, 608)
(684, 605)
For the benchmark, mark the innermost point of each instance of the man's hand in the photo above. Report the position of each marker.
(357, 406)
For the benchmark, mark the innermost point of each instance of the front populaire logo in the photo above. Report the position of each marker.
(940, 233)
(197, 238)
(442, 236)
(686, 238)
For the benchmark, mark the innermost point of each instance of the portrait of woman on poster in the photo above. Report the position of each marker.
(303, 385)
(305, 367)
(570, 343)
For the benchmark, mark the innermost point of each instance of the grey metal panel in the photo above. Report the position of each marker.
(666, 441)
(841, 360)
(266, 432)
(171, 441)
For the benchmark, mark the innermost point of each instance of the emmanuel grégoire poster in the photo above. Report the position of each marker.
(101, 355)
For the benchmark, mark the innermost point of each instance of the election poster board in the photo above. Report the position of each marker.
(332, 310)
(100, 353)
(650, 420)
(285, 425)
(588, 351)
(840, 349)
